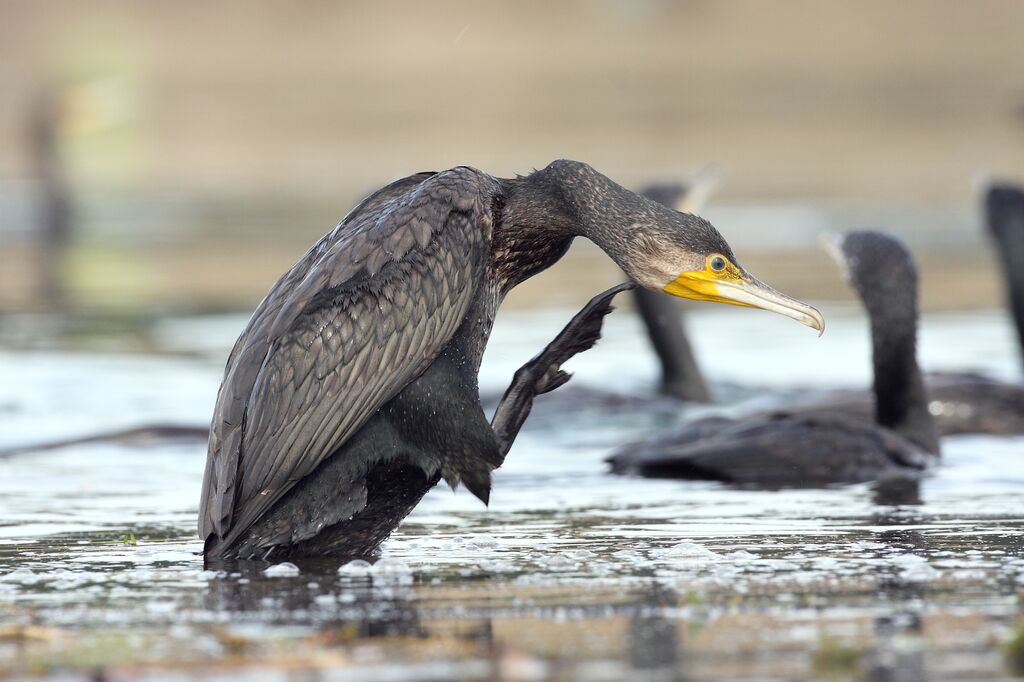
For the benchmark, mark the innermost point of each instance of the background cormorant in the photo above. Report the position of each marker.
(1004, 212)
(968, 402)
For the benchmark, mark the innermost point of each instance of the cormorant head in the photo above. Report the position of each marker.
(673, 194)
(1004, 213)
(658, 247)
(873, 263)
(882, 272)
(685, 256)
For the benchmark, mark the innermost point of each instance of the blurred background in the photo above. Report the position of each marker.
(168, 157)
(163, 163)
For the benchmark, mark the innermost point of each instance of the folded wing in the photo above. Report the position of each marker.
(360, 316)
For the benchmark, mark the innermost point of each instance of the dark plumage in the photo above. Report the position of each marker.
(1004, 213)
(353, 389)
(793, 449)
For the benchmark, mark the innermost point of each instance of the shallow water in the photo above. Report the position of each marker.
(569, 574)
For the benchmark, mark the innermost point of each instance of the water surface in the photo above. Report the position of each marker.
(570, 573)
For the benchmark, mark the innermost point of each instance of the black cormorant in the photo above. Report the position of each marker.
(968, 402)
(972, 403)
(353, 389)
(792, 449)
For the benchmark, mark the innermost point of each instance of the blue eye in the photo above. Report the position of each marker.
(717, 263)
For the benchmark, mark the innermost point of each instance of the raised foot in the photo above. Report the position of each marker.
(543, 373)
(582, 332)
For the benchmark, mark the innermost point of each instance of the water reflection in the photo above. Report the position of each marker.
(367, 602)
(898, 654)
(896, 492)
(654, 639)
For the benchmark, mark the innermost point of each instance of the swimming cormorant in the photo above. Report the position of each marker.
(353, 389)
(968, 402)
(782, 448)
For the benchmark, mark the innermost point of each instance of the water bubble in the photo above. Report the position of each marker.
(691, 551)
(919, 574)
(484, 541)
(355, 570)
(391, 572)
(282, 570)
(21, 576)
(778, 565)
(969, 574)
(556, 562)
(325, 600)
(628, 555)
(161, 607)
(826, 563)
(914, 568)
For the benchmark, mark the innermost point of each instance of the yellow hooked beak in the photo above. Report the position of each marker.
(721, 281)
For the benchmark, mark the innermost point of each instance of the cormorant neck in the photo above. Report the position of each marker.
(532, 230)
(544, 211)
(901, 401)
(1015, 292)
(1013, 265)
(1006, 224)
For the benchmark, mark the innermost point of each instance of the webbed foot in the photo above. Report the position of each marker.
(544, 372)
(582, 332)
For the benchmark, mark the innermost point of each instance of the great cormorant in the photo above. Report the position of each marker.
(968, 402)
(793, 449)
(353, 389)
